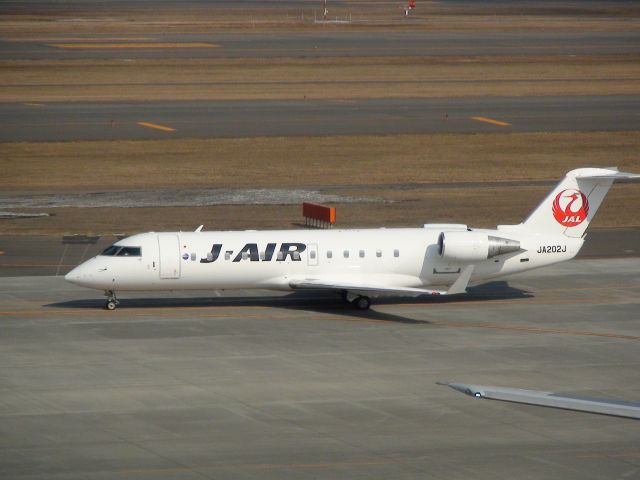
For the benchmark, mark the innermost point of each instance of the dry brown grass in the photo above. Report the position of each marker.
(293, 161)
(476, 207)
(361, 162)
(321, 78)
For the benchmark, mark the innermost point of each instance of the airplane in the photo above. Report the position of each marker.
(437, 259)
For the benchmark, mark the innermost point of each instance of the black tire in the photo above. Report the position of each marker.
(362, 303)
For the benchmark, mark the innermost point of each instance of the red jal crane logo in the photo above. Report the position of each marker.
(570, 207)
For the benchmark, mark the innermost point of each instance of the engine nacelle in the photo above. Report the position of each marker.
(472, 246)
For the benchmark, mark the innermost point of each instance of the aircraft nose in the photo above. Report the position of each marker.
(74, 276)
(82, 275)
(91, 274)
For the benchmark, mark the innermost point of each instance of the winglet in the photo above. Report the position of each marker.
(199, 229)
(461, 283)
(471, 390)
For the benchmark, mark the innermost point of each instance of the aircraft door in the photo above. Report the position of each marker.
(312, 255)
(169, 257)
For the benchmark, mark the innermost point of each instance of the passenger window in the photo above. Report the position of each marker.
(193, 257)
(312, 254)
(227, 255)
(329, 254)
(245, 255)
(280, 256)
(262, 256)
(346, 254)
(378, 253)
(296, 255)
(361, 253)
(396, 253)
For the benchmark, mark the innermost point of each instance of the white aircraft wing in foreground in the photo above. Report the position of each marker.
(437, 259)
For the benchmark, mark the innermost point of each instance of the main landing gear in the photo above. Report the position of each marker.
(112, 301)
(361, 302)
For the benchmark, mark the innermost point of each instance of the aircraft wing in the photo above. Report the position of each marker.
(459, 286)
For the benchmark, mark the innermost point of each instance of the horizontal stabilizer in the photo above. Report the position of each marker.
(622, 177)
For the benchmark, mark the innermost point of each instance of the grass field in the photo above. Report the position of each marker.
(475, 207)
(291, 161)
(362, 166)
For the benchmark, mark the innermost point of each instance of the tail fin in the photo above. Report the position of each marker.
(573, 203)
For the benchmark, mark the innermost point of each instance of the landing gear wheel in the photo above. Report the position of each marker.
(362, 303)
(112, 301)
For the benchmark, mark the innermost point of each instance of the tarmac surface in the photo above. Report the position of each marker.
(261, 385)
(208, 119)
(321, 44)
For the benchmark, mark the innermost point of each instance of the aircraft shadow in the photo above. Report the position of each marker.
(320, 302)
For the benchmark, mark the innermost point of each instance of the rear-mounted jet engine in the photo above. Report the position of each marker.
(469, 246)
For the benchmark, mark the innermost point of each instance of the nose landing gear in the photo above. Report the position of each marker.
(112, 301)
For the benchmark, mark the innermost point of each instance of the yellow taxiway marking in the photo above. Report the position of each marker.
(262, 466)
(539, 330)
(491, 121)
(90, 46)
(157, 127)
(31, 104)
(48, 40)
(197, 312)
(630, 454)
(219, 311)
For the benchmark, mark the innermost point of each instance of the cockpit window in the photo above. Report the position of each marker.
(111, 251)
(119, 251)
(129, 252)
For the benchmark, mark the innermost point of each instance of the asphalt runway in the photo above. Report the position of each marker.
(43, 7)
(322, 44)
(260, 385)
(207, 119)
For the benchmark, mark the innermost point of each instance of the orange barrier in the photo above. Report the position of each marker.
(317, 215)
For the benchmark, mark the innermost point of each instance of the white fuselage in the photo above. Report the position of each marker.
(405, 257)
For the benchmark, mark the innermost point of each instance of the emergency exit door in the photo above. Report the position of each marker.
(169, 257)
